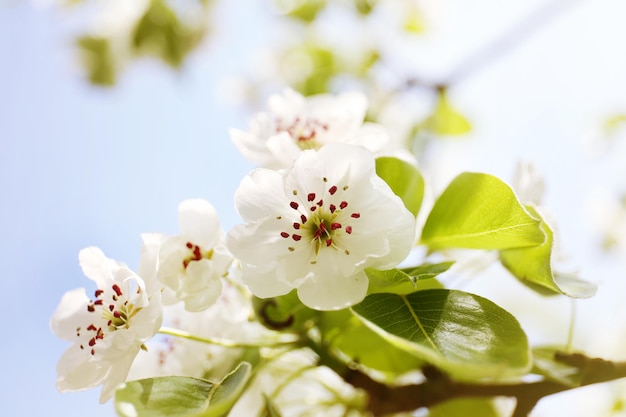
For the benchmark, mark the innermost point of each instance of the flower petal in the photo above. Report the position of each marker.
(198, 221)
(329, 292)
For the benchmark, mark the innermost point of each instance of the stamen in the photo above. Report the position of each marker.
(117, 289)
(349, 229)
(296, 225)
(333, 208)
(312, 208)
(303, 218)
(355, 215)
(320, 203)
(329, 242)
(335, 226)
(189, 245)
(294, 205)
(311, 196)
(284, 234)
(332, 190)
(99, 292)
(343, 205)
(296, 237)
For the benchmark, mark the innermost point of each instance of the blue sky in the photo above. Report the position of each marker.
(81, 166)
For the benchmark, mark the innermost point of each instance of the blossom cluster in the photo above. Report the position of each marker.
(315, 217)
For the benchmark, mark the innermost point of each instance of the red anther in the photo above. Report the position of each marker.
(111, 307)
(348, 229)
(189, 245)
(117, 314)
(322, 227)
(311, 196)
(99, 292)
(294, 205)
(196, 253)
(329, 242)
(335, 226)
(296, 225)
(343, 205)
(93, 352)
(303, 218)
(109, 322)
(332, 190)
(117, 289)
(92, 327)
(296, 237)
(320, 203)
(355, 215)
(91, 308)
(284, 234)
(333, 208)
(98, 302)
(92, 341)
(312, 208)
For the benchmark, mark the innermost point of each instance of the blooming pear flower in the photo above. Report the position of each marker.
(107, 331)
(295, 123)
(190, 264)
(317, 226)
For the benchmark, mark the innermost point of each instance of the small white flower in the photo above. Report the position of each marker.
(295, 123)
(190, 264)
(108, 331)
(317, 226)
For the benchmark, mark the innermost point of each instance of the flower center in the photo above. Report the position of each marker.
(115, 312)
(323, 220)
(303, 131)
(195, 254)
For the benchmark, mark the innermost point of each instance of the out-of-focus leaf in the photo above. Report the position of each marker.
(533, 266)
(365, 7)
(160, 33)
(321, 66)
(98, 60)
(446, 120)
(304, 10)
(479, 211)
(463, 334)
(181, 396)
(465, 407)
(545, 364)
(404, 179)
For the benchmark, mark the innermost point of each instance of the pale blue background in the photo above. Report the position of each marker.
(81, 166)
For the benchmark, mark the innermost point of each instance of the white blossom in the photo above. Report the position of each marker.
(295, 123)
(191, 264)
(317, 226)
(107, 331)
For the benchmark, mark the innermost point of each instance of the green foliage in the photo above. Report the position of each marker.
(467, 336)
(303, 10)
(546, 364)
(404, 179)
(344, 332)
(365, 7)
(445, 120)
(284, 313)
(160, 33)
(479, 211)
(407, 280)
(181, 396)
(98, 59)
(533, 267)
(319, 65)
(465, 407)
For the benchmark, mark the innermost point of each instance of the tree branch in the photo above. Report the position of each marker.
(440, 387)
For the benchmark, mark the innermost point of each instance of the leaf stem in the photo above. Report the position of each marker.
(278, 342)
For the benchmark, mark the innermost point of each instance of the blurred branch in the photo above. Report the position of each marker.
(440, 387)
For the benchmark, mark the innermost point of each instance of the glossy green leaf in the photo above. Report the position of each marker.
(344, 332)
(533, 266)
(465, 407)
(405, 281)
(446, 120)
(463, 334)
(181, 396)
(479, 211)
(404, 179)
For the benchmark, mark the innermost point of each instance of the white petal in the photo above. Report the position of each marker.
(332, 292)
(263, 282)
(283, 148)
(261, 195)
(96, 266)
(371, 135)
(76, 372)
(70, 314)
(199, 222)
(288, 104)
(258, 243)
(118, 374)
(148, 263)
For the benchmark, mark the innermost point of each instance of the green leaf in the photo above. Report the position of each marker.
(98, 59)
(284, 313)
(405, 281)
(446, 120)
(404, 179)
(343, 331)
(181, 396)
(533, 267)
(305, 11)
(463, 334)
(160, 33)
(465, 407)
(479, 211)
